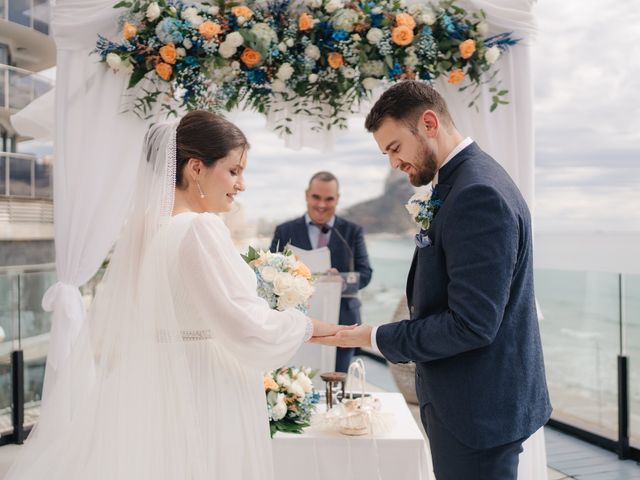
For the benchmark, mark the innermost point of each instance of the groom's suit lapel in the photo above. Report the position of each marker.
(446, 179)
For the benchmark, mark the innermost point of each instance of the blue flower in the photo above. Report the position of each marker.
(340, 35)
(256, 76)
(396, 70)
(376, 19)
(427, 30)
(168, 31)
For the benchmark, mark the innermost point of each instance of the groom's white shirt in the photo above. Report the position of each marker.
(461, 146)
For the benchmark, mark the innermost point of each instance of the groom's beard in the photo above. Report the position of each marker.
(426, 167)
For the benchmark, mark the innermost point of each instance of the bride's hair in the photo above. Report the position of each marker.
(207, 137)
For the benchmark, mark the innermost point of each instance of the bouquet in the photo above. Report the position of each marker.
(283, 281)
(323, 56)
(423, 207)
(290, 399)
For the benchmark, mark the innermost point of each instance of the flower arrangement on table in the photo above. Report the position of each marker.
(309, 55)
(290, 399)
(283, 281)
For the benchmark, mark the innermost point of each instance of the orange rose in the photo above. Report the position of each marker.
(129, 31)
(456, 76)
(467, 48)
(242, 11)
(335, 60)
(402, 35)
(250, 57)
(305, 22)
(404, 19)
(302, 270)
(270, 384)
(209, 29)
(164, 71)
(168, 53)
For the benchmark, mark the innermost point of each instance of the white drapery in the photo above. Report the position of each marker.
(96, 152)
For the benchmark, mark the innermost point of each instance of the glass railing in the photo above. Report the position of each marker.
(19, 87)
(24, 175)
(34, 14)
(25, 327)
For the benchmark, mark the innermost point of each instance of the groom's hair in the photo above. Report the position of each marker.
(406, 101)
(207, 137)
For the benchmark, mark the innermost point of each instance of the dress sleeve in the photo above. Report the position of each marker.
(223, 289)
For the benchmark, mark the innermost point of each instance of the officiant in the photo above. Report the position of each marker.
(320, 227)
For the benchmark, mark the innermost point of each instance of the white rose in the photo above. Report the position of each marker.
(314, 3)
(268, 273)
(296, 389)
(290, 43)
(333, 5)
(483, 28)
(181, 52)
(213, 11)
(302, 287)
(283, 281)
(313, 78)
(264, 33)
(153, 11)
(356, 37)
(278, 86)
(187, 43)
(411, 60)
(370, 83)
(282, 47)
(344, 20)
(241, 20)
(376, 10)
(312, 52)
(305, 383)
(236, 66)
(284, 72)
(227, 50)
(374, 35)
(424, 196)
(235, 39)
(279, 410)
(413, 209)
(492, 54)
(289, 299)
(415, 9)
(348, 72)
(428, 18)
(191, 14)
(114, 61)
(283, 380)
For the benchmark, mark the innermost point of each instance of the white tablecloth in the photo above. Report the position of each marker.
(401, 454)
(317, 454)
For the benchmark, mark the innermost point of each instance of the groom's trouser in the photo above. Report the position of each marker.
(453, 460)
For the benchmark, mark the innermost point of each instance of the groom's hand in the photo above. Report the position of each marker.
(359, 336)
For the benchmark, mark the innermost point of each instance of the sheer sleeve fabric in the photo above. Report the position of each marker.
(223, 289)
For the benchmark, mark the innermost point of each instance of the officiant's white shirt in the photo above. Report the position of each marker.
(461, 146)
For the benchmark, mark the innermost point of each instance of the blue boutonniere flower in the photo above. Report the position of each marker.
(423, 208)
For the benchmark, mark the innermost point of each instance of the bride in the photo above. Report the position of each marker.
(165, 379)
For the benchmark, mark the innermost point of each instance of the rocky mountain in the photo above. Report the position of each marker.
(386, 213)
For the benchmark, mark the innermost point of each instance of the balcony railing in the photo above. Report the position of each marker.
(25, 176)
(34, 14)
(19, 87)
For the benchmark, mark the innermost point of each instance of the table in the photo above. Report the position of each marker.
(401, 454)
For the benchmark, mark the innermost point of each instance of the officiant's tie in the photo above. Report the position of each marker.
(323, 239)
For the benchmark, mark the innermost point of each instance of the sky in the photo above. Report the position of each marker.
(586, 66)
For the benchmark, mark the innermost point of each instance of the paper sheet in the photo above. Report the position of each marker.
(318, 260)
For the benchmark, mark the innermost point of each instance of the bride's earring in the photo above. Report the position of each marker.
(202, 195)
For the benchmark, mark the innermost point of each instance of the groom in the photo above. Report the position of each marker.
(473, 331)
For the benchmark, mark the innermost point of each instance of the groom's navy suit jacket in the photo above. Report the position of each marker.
(297, 233)
(473, 332)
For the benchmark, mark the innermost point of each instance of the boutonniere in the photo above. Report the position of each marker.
(423, 208)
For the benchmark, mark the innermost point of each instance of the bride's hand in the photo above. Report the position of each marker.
(324, 329)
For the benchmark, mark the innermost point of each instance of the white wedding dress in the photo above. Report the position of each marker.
(231, 336)
(164, 381)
